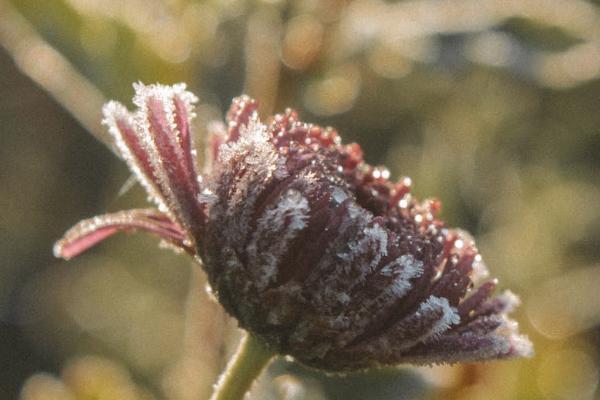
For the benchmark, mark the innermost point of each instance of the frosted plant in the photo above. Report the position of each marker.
(316, 253)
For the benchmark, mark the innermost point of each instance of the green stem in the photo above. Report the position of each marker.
(244, 367)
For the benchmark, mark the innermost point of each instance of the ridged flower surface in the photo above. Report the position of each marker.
(311, 249)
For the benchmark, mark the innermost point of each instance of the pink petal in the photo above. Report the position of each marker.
(182, 121)
(242, 110)
(120, 123)
(163, 121)
(89, 232)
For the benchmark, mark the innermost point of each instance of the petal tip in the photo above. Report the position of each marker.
(521, 346)
(112, 113)
(57, 250)
(162, 92)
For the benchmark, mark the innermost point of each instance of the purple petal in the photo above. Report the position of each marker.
(242, 110)
(430, 321)
(89, 232)
(120, 123)
(163, 122)
(472, 302)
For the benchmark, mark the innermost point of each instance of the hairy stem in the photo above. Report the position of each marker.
(243, 368)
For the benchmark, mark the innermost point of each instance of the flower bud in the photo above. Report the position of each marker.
(311, 249)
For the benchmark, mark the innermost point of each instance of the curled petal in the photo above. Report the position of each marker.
(90, 232)
(120, 123)
(157, 144)
(162, 122)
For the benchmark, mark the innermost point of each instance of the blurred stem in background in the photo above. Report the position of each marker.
(197, 370)
(262, 58)
(53, 72)
(49, 69)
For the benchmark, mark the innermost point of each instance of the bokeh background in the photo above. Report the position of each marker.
(492, 106)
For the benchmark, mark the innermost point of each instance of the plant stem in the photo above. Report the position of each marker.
(243, 368)
(51, 71)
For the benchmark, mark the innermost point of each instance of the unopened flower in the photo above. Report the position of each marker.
(312, 250)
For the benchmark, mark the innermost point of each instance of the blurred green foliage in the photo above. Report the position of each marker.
(490, 106)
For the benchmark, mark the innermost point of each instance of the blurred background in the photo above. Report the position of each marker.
(492, 106)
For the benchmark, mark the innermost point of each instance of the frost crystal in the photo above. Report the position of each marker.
(310, 248)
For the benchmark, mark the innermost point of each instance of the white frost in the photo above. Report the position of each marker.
(374, 239)
(405, 268)
(339, 195)
(449, 315)
(275, 230)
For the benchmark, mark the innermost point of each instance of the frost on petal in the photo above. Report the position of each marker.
(157, 143)
(276, 229)
(242, 170)
(432, 318)
(469, 347)
(351, 271)
(162, 121)
(130, 143)
(90, 232)
(243, 110)
(183, 114)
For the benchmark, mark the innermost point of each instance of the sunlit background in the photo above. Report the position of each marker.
(492, 106)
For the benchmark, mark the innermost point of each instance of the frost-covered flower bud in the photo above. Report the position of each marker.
(311, 249)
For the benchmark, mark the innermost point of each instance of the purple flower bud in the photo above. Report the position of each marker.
(310, 248)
